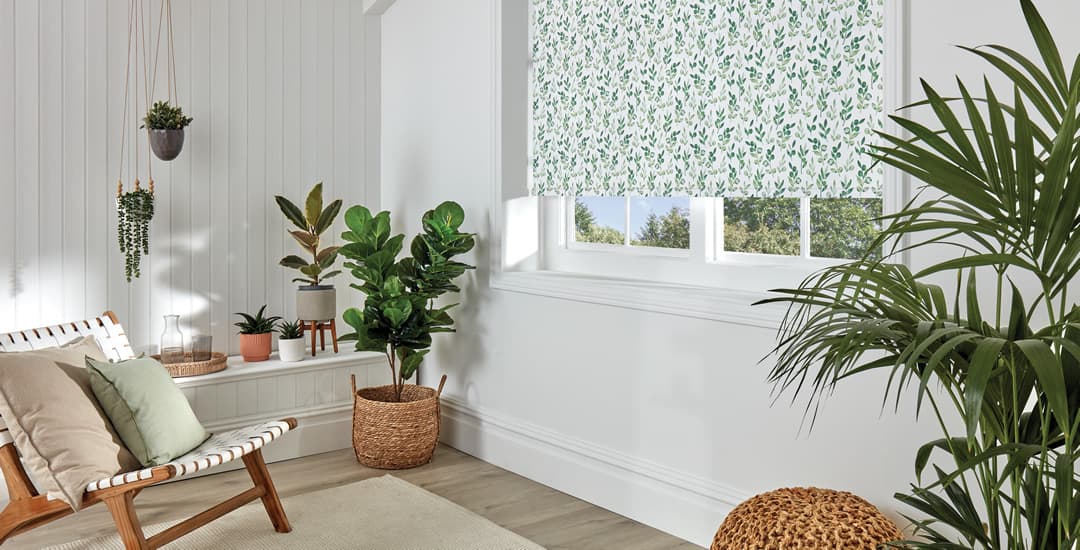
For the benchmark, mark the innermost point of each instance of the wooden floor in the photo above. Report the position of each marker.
(552, 519)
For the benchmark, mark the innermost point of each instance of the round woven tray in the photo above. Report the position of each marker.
(218, 361)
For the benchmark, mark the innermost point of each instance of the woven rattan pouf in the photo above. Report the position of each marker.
(805, 519)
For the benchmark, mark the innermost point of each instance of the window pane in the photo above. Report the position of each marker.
(843, 228)
(600, 220)
(660, 222)
(762, 226)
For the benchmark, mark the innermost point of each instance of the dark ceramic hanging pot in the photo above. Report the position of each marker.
(166, 144)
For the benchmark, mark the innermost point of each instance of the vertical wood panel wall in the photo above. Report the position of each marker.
(276, 88)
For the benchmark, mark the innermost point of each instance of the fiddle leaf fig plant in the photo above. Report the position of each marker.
(311, 222)
(399, 313)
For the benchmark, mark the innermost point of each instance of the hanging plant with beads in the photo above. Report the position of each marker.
(134, 211)
(135, 207)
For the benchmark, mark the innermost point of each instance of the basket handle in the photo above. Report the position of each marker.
(352, 382)
(438, 393)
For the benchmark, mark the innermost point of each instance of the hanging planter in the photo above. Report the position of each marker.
(165, 124)
(134, 209)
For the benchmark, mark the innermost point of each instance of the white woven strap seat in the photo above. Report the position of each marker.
(219, 449)
(28, 509)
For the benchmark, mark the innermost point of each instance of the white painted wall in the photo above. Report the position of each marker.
(277, 91)
(662, 418)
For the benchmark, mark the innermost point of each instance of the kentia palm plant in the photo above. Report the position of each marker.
(1009, 177)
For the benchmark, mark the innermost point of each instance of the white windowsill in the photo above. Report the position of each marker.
(716, 304)
(240, 370)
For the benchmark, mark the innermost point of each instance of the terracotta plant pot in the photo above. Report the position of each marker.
(393, 435)
(291, 350)
(316, 303)
(166, 144)
(255, 347)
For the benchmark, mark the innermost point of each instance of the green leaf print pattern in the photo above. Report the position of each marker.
(708, 98)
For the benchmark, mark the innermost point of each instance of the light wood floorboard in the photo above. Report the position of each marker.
(537, 512)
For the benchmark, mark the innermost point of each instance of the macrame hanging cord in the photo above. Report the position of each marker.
(135, 208)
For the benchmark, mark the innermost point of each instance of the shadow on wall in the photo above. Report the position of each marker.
(460, 353)
(16, 282)
(195, 318)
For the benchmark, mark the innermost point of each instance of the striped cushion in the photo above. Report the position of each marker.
(219, 449)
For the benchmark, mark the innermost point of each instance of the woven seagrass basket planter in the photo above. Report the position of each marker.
(392, 435)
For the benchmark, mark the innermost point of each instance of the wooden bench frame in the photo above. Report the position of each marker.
(28, 509)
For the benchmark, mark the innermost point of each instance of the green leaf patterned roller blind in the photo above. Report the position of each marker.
(707, 98)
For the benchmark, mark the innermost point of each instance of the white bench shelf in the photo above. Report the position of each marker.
(315, 391)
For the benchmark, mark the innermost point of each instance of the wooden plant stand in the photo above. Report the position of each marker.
(318, 328)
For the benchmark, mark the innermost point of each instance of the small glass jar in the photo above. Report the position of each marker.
(202, 347)
(172, 341)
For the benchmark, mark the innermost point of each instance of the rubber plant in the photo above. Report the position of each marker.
(399, 313)
(311, 223)
(1005, 193)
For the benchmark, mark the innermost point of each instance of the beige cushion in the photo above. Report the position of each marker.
(65, 440)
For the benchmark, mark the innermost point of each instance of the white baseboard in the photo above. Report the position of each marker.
(682, 504)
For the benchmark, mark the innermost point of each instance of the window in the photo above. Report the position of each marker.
(837, 228)
(651, 222)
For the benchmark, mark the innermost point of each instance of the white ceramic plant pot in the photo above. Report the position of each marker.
(292, 350)
(316, 303)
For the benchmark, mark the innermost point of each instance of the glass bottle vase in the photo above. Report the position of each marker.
(172, 341)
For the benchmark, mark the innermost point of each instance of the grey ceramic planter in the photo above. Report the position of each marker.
(316, 303)
(166, 144)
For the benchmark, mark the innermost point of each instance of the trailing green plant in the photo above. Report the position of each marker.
(399, 314)
(290, 330)
(312, 222)
(1007, 364)
(134, 211)
(257, 324)
(165, 116)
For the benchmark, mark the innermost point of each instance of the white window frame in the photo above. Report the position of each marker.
(713, 211)
(703, 264)
(531, 252)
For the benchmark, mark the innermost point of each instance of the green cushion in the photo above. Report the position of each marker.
(148, 411)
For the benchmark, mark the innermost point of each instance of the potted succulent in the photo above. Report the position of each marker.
(315, 301)
(165, 123)
(290, 341)
(397, 426)
(255, 335)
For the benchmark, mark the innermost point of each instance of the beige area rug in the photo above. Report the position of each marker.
(383, 513)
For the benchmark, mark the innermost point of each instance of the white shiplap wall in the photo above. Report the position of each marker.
(276, 88)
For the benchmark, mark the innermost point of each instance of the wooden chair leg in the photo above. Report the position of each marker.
(18, 486)
(256, 468)
(333, 332)
(122, 508)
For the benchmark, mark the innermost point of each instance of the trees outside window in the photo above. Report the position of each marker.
(838, 228)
